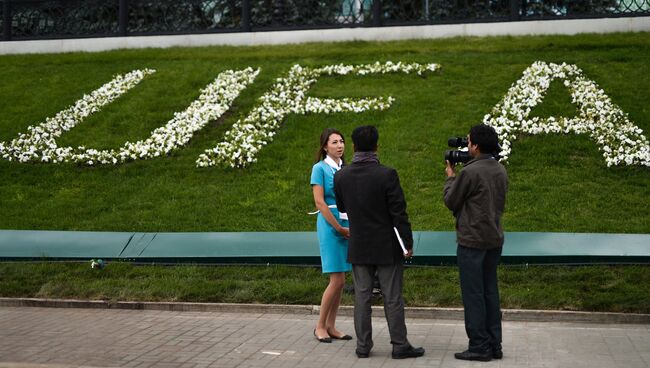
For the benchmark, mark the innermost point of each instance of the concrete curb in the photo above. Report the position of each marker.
(411, 312)
(391, 33)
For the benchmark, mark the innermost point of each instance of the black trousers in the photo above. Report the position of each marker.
(480, 292)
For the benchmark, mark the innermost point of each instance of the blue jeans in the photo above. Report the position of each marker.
(480, 292)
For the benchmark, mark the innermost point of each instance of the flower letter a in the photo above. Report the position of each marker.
(620, 141)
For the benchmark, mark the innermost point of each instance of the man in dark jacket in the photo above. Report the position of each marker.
(372, 197)
(477, 198)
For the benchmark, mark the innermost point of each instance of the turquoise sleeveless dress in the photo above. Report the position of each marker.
(333, 246)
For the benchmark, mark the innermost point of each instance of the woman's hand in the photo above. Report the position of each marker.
(319, 201)
(344, 231)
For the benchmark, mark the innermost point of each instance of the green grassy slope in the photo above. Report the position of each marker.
(591, 288)
(557, 183)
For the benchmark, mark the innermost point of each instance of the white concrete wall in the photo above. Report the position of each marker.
(547, 27)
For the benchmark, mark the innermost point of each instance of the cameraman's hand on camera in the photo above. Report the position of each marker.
(450, 169)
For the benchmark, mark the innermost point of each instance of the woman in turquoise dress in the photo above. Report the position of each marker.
(333, 231)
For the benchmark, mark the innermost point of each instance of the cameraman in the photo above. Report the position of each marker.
(477, 197)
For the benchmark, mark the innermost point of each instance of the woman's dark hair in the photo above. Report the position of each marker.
(485, 137)
(365, 138)
(324, 138)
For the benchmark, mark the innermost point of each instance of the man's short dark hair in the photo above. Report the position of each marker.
(485, 137)
(365, 138)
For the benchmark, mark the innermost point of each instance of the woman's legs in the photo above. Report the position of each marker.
(329, 305)
(339, 282)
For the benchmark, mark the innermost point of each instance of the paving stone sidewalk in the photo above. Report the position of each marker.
(62, 337)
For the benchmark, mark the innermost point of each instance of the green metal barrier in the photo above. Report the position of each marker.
(544, 248)
(430, 248)
(26, 244)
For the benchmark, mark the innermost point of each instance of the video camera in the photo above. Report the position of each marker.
(463, 157)
(455, 156)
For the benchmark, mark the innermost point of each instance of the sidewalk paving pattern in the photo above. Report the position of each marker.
(62, 337)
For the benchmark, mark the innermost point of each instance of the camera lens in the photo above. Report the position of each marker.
(457, 156)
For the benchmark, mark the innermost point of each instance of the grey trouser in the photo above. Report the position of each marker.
(480, 291)
(390, 281)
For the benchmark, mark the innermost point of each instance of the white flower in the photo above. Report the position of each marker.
(40, 141)
(247, 137)
(215, 99)
(605, 122)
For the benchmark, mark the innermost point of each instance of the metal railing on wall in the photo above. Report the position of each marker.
(56, 19)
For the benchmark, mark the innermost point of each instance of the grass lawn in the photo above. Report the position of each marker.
(557, 182)
(585, 288)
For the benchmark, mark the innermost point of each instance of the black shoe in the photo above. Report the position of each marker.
(411, 352)
(342, 337)
(468, 355)
(325, 339)
(497, 353)
(362, 354)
